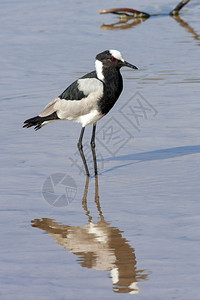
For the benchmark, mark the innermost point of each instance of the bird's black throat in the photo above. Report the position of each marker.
(113, 85)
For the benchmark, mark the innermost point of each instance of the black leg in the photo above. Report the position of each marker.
(92, 143)
(80, 148)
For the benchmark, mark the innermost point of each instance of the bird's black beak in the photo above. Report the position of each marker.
(126, 64)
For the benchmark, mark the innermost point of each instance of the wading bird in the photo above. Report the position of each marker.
(87, 99)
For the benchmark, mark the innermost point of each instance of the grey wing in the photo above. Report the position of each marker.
(79, 99)
(73, 91)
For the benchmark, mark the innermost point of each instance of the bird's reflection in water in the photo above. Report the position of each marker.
(98, 246)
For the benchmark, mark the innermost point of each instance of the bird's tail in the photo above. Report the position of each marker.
(38, 121)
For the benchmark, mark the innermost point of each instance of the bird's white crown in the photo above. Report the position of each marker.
(116, 54)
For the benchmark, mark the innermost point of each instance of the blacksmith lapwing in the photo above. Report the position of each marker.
(87, 99)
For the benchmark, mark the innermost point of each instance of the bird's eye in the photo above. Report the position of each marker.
(113, 59)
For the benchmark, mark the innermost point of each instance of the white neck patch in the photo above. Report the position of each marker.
(99, 69)
(116, 54)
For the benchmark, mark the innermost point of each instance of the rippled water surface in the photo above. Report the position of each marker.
(134, 231)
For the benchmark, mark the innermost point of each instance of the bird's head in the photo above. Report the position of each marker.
(110, 59)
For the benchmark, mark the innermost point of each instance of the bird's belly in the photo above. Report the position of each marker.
(90, 118)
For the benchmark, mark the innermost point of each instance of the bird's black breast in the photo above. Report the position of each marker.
(112, 89)
(73, 92)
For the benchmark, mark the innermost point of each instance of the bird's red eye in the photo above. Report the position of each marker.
(113, 59)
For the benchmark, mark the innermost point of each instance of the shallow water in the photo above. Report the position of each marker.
(134, 233)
